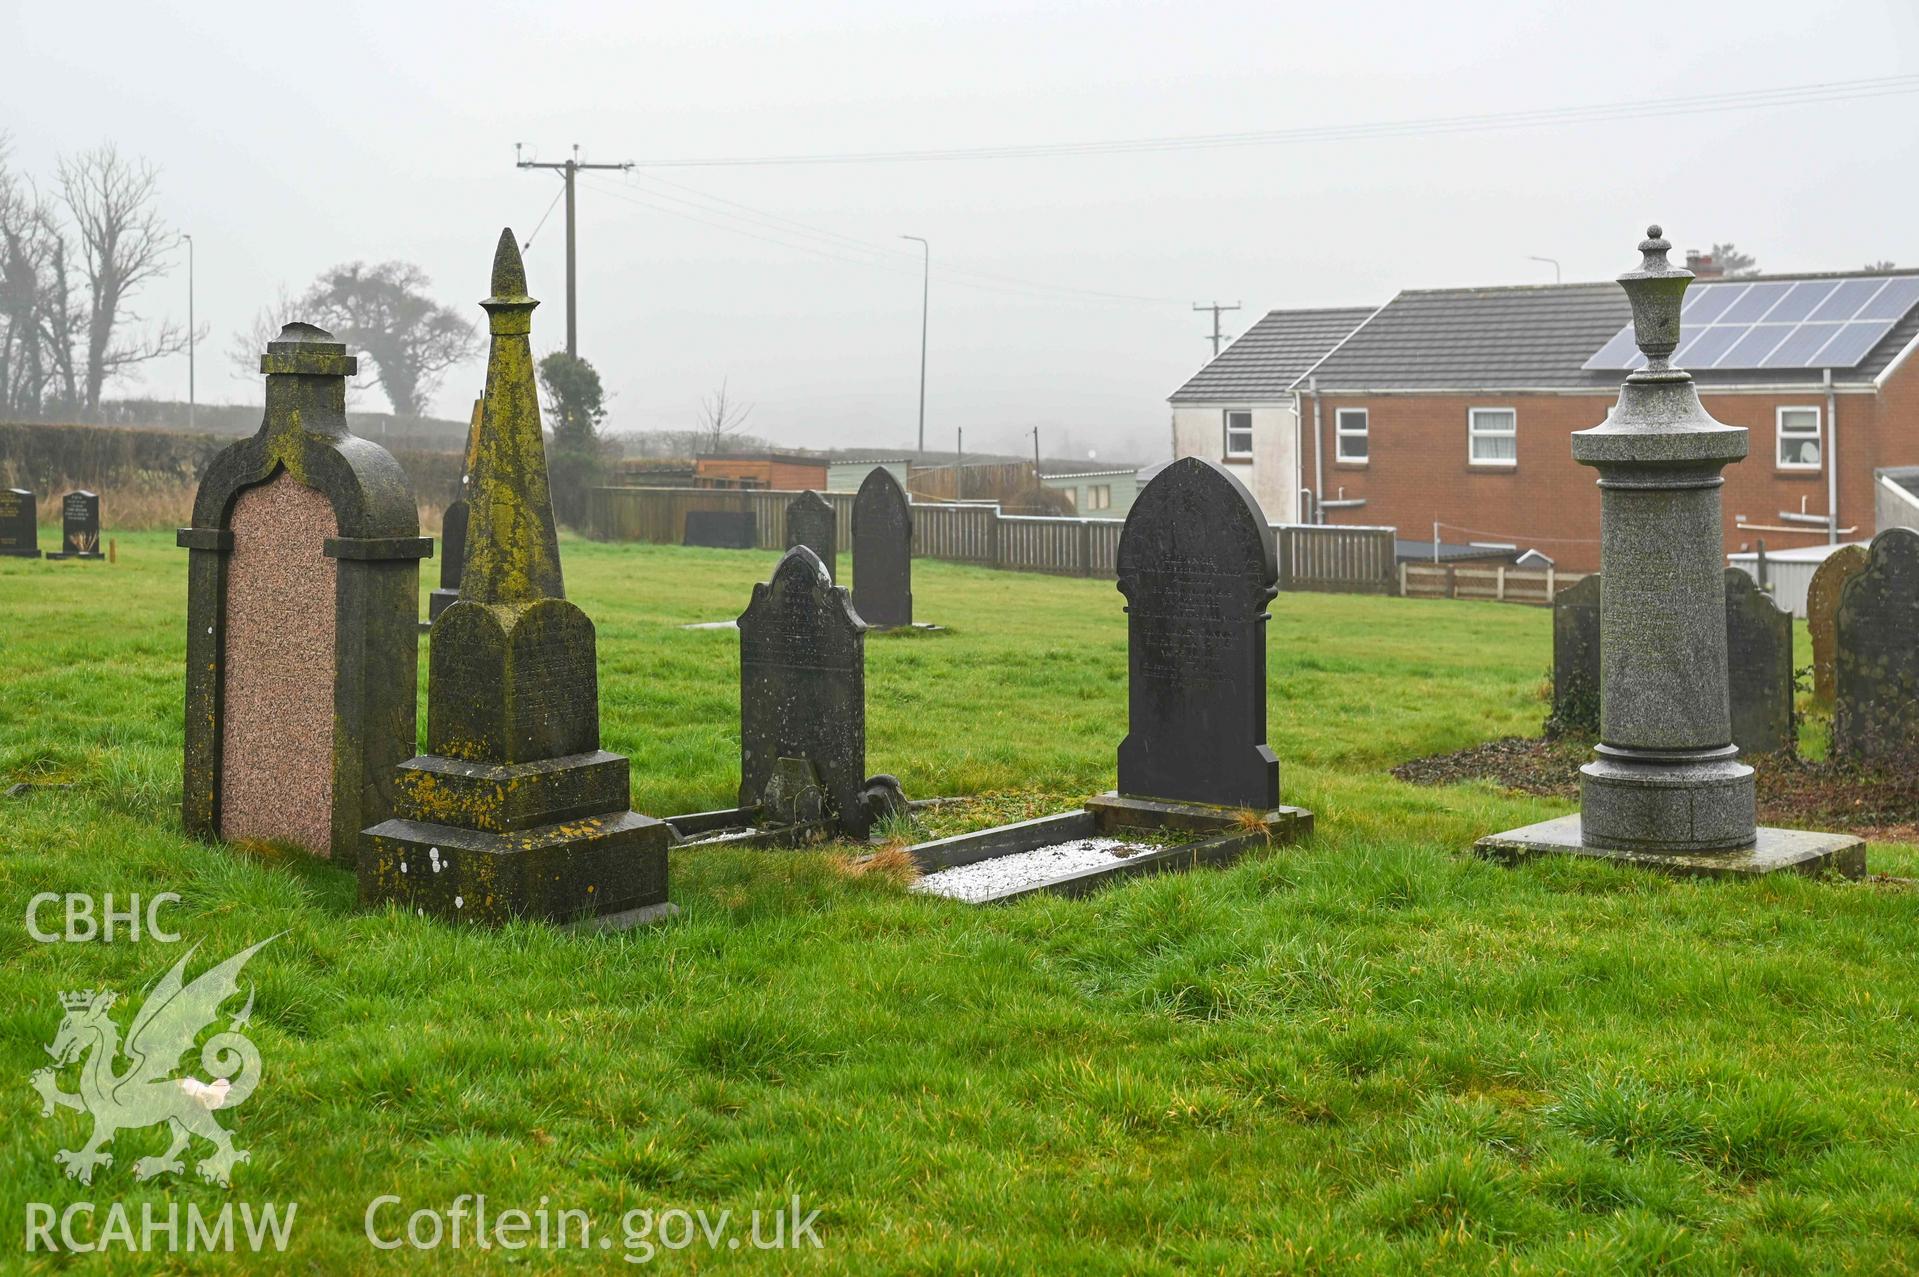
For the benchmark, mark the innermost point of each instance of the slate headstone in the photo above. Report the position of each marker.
(79, 527)
(1197, 568)
(19, 524)
(1758, 667)
(812, 522)
(883, 552)
(453, 530)
(803, 691)
(1875, 717)
(721, 529)
(1576, 657)
(1822, 614)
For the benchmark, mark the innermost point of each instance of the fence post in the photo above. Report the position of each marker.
(1402, 581)
(1551, 594)
(1283, 551)
(1499, 584)
(1086, 547)
(992, 537)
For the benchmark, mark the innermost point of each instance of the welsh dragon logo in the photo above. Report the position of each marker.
(145, 1093)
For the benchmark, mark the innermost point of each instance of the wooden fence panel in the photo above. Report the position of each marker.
(1333, 558)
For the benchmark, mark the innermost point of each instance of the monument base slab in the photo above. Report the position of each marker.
(1798, 851)
(19, 554)
(1121, 811)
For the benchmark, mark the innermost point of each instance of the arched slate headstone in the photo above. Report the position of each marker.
(1876, 671)
(1822, 613)
(453, 530)
(19, 524)
(1197, 568)
(79, 527)
(812, 522)
(1576, 656)
(803, 688)
(1758, 667)
(882, 552)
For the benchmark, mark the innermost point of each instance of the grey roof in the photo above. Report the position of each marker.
(1530, 337)
(1263, 363)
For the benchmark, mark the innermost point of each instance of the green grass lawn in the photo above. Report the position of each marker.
(1370, 1052)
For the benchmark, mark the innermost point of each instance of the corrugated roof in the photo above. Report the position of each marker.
(1263, 363)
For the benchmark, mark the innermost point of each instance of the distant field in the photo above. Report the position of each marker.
(1371, 1052)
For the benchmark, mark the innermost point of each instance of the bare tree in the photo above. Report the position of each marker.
(383, 312)
(720, 419)
(123, 245)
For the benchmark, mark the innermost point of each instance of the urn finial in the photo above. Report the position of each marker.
(1655, 291)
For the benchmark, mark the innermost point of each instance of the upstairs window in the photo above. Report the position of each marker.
(1239, 433)
(1492, 437)
(1349, 427)
(1798, 439)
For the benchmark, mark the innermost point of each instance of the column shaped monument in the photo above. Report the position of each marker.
(1667, 788)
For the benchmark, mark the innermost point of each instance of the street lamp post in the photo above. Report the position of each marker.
(1550, 261)
(926, 282)
(191, 398)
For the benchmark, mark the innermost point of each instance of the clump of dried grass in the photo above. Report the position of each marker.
(892, 862)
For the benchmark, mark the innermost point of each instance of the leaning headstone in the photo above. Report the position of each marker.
(1576, 657)
(1197, 568)
(19, 524)
(453, 531)
(812, 522)
(1875, 719)
(1667, 788)
(882, 552)
(79, 527)
(803, 697)
(515, 811)
(1822, 614)
(1758, 668)
(721, 529)
(302, 592)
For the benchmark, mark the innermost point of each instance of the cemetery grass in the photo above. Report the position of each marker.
(1370, 1052)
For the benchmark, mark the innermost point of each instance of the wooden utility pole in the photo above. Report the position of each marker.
(1215, 307)
(567, 169)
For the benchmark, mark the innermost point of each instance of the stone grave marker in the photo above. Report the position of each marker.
(79, 527)
(812, 522)
(302, 594)
(1197, 568)
(1875, 720)
(1822, 614)
(19, 524)
(453, 531)
(883, 552)
(1576, 657)
(1758, 667)
(515, 811)
(722, 529)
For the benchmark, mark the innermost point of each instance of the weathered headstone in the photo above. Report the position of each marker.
(302, 589)
(1758, 667)
(79, 527)
(515, 811)
(453, 531)
(721, 529)
(1576, 657)
(803, 695)
(1822, 614)
(1196, 566)
(882, 552)
(812, 522)
(1875, 719)
(19, 524)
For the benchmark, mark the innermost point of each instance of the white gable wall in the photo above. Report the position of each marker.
(1199, 430)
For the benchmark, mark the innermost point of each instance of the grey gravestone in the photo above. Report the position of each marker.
(19, 524)
(812, 522)
(79, 527)
(1822, 614)
(803, 697)
(1758, 667)
(721, 529)
(1876, 674)
(883, 552)
(453, 529)
(1576, 657)
(1197, 568)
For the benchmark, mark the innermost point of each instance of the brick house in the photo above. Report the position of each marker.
(792, 471)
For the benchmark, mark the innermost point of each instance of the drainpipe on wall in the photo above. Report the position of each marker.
(1319, 454)
(1832, 463)
(1299, 459)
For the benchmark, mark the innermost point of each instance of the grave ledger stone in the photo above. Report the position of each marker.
(19, 524)
(1822, 614)
(1667, 788)
(1576, 657)
(1875, 717)
(812, 522)
(79, 527)
(453, 532)
(515, 810)
(882, 552)
(302, 590)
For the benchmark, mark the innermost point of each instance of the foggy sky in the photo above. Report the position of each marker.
(291, 138)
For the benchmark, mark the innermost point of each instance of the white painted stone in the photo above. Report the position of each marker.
(984, 879)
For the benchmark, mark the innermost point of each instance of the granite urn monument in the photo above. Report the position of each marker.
(19, 524)
(1822, 614)
(515, 811)
(1667, 788)
(812, 522)
(302, 594)
(1758, 668)
(79, 527)
(883, 552)
(453, 533)
(1875, 717)
(1576, 657)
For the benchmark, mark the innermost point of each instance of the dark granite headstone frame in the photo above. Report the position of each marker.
(1875, 719)
(1576, 657)
(1758, 668)
(1822, 614)
(803, 687)
(812, 521)
(1197, 567)
(377, 551)
(883, 552)
(19, 524)
(722, 529)
(79, 527)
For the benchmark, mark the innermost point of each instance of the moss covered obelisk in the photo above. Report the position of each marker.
(515, 811)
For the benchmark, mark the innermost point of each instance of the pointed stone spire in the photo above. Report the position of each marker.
(513, 550)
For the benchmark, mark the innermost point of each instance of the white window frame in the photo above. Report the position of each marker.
(1342, 432)
(1227, 432)
(1474, 433)
(1780, 435)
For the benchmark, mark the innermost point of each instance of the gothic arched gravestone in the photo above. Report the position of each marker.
(883, 552)
(812, 522)
(1758, 667)
(1876, 671)
(1822, 613)
(1576, 657)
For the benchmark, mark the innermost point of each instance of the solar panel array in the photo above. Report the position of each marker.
(1810, 323)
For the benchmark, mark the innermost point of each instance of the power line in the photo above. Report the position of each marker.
(568, 169)
(1698, 104)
